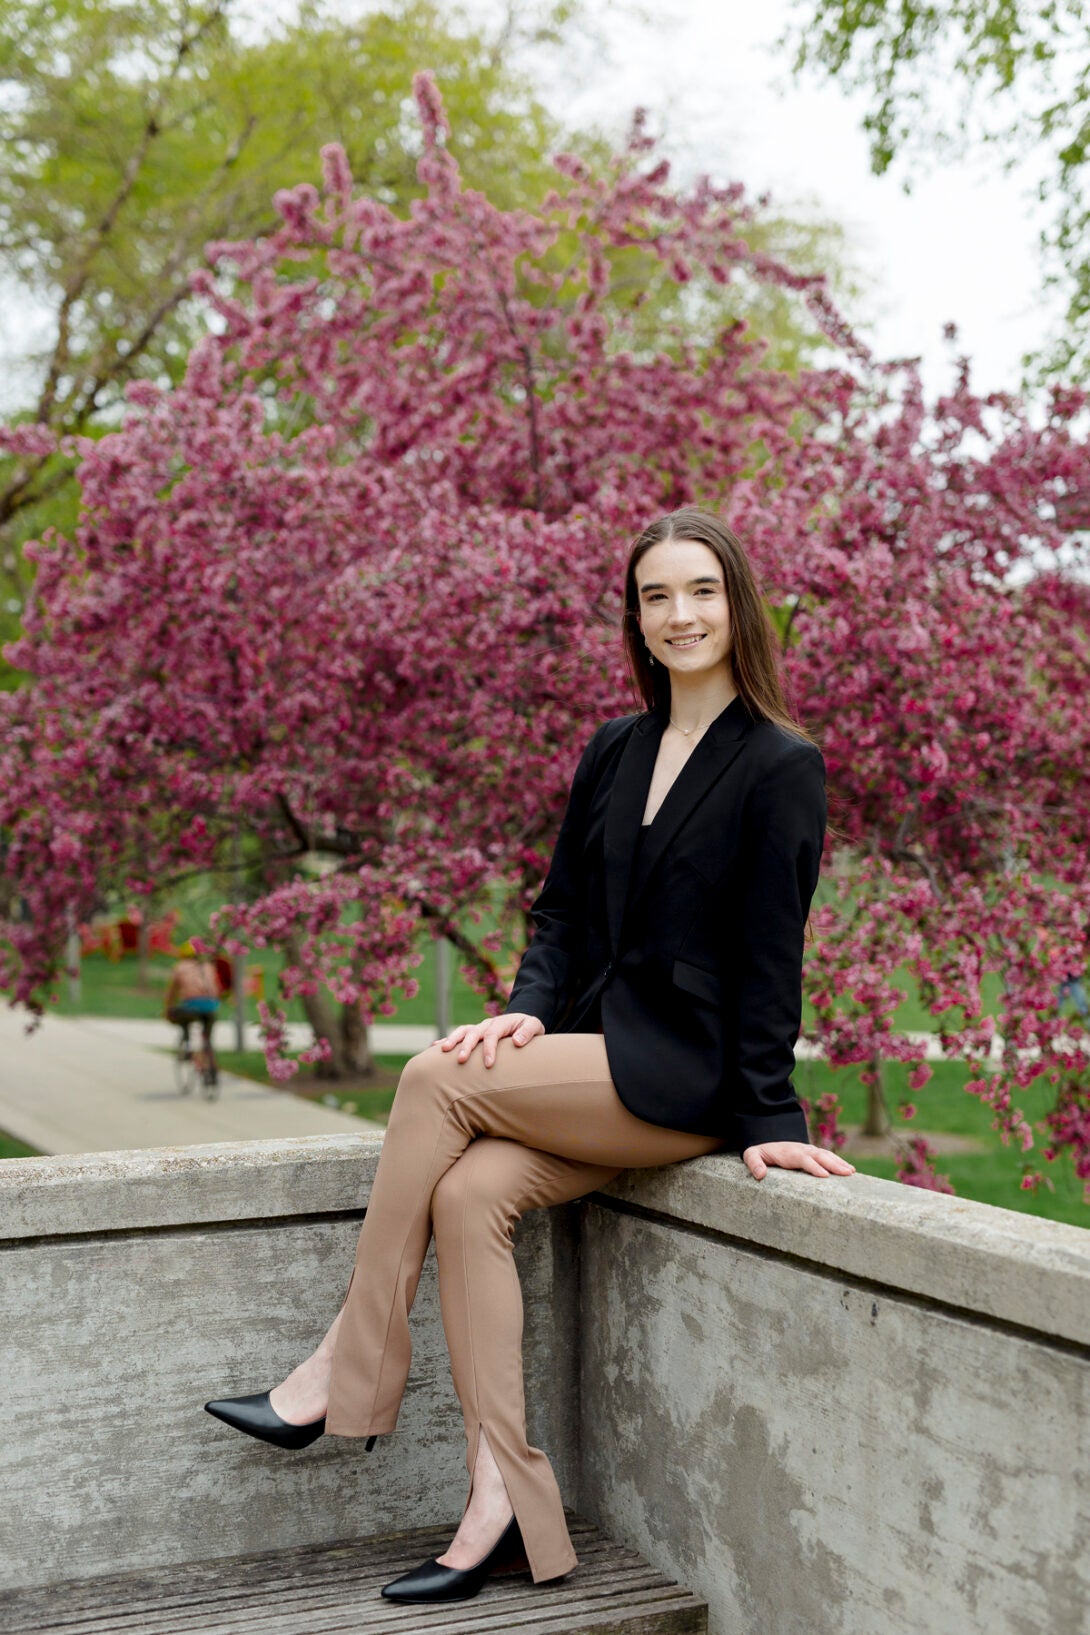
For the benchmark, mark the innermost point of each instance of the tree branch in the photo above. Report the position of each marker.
(77, 280)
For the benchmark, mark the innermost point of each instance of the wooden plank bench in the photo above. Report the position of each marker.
(333, 1588)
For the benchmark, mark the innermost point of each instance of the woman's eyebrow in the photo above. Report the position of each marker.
(705, 579)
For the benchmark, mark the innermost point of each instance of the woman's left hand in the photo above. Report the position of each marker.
(794, 1155)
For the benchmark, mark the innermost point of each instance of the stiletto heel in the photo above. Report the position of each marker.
(432, 1582)
(256, 1416)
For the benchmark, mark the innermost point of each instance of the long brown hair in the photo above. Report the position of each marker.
(754, 644)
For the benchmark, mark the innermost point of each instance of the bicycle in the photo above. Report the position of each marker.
(195, 1066)
(185, 1068)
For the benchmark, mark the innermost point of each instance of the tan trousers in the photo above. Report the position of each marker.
(467, 1150)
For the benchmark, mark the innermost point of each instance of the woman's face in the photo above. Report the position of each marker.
(683, 612)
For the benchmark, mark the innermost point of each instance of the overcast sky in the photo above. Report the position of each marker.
(961, 248)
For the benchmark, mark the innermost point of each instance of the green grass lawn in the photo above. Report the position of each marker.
(10, 1148)
(112, 989)
(990, 1176)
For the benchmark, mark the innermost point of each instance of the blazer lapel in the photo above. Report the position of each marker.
(712, 756)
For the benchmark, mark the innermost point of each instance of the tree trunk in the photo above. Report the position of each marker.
(355, 1044)
(350, 1052)
(143, 951)
(877, 1120)
(73, 956)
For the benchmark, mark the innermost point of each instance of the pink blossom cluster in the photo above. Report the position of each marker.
(352, 591)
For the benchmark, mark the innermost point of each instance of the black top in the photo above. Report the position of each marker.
(592, 1021)
(638, 856)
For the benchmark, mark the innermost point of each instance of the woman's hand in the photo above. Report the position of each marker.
(794, 1155)
(489, 1034)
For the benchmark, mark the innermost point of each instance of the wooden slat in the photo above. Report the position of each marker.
(307, 1569)
(334, 1589)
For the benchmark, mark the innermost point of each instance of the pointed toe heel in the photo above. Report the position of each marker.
(432, 1582)
(256, 1416)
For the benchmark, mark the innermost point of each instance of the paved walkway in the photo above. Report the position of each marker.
(97, 1084)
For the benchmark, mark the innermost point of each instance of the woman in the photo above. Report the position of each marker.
(653, 1019)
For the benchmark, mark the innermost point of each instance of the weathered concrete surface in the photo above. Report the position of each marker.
(78, 1085)
(133, 1287)
(827, 1454)
(828, 1407)
(996, 1262)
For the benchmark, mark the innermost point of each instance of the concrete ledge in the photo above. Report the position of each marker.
(185, 1186)
(996, 1262)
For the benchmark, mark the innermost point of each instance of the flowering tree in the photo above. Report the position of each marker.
(353, 588)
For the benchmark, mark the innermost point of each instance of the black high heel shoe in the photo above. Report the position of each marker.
(257, 1417)
(432, 1582)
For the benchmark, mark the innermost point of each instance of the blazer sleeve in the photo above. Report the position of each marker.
(546, 976)
(786, 836)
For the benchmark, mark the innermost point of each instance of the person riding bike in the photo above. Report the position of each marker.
(193, 995)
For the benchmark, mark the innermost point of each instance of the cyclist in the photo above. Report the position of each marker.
(193, 995)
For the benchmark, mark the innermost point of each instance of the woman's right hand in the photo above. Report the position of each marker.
(489, 1033)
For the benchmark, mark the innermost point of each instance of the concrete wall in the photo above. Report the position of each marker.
(134, 1286)
(830, 1407)
(840, 1407)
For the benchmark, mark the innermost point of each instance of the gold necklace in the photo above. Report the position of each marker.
(687, 732)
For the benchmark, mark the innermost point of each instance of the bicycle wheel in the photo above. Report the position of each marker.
(185, 1069)
(211, 1079)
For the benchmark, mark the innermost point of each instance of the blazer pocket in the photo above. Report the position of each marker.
(696, 980)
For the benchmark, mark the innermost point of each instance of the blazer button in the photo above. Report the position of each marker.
(609, 969)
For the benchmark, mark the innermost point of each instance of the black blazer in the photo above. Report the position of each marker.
(693, 959)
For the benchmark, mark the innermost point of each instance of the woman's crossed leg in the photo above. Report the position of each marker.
(555, 1129)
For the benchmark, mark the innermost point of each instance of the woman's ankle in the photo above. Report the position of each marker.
(328, 1341)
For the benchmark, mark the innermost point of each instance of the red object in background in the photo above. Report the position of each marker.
(115, 937)
(101, 939)
(224, 973)
(161, 932)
